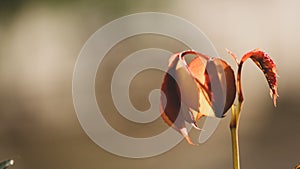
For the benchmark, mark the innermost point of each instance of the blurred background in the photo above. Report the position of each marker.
(40, 41)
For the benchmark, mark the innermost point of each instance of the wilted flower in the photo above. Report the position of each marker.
(206, 87)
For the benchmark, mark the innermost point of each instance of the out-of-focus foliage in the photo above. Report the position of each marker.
(5, 164)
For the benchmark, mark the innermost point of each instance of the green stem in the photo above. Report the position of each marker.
(235, 116)
(235, 148)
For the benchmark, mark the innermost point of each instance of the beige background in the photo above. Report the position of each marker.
(40, 42)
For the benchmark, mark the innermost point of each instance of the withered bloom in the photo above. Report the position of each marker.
(204, 87)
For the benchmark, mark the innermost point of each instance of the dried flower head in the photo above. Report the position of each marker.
(204, 87)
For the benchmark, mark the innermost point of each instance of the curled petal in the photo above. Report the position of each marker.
(267, 65)
(179, 92)
(222, 85)
(217, 83)
(170, 102)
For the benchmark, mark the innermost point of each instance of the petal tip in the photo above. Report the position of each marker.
(184, 132)
(196, 127)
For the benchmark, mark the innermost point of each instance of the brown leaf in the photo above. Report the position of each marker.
(267, 65)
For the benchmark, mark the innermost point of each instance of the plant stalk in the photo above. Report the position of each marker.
(235, 116)
(235, 148)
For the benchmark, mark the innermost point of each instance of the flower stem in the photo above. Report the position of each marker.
(235, 115)
(235, 148)
(234, 134)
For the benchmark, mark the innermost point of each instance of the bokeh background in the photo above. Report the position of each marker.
(39, 44)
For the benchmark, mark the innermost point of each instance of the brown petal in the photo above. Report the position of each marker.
(198, 69)
(170, 101)
(180, 94)
(222, 85)
(178, 85)
(188, 86)
(217, 84)
(267, 65)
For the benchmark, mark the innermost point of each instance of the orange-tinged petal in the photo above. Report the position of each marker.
(197, 68)
(217, 83)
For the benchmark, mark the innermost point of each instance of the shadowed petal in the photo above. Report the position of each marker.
(222, 85)
(170, 97)
(217, 83)
(178, 85)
